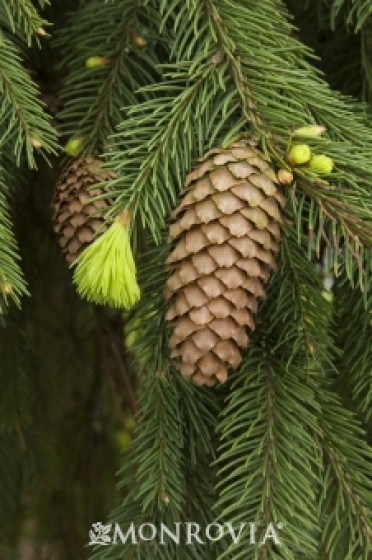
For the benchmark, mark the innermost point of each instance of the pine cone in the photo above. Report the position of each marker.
(227, 232)
(77, 215)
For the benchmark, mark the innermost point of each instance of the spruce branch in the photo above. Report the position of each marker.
(23, 18)
(94, 97)
(285, 80)
(155, 473)
(12, 282)
(268, 462)
(307, 293)
(346, 53)
(274, 395)
(228, 49)
(155, 146)
(160, 484)
(355, 13)
(354, 339)
(24, 122)
(338, 218)
(347, 498)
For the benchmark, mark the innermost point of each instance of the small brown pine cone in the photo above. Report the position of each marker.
(226, 232)
(77, 213)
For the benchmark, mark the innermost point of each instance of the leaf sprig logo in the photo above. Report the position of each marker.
(99, 534)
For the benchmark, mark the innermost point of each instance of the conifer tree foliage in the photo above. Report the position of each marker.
(147, 88)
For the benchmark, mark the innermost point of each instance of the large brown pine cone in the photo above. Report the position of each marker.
(78, 215)
(226, 232)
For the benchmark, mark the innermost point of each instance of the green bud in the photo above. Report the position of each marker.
(97, 62)
(312, 130)
(299, 154)
(73, 146)
(321, 164)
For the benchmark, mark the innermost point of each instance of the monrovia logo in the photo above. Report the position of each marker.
(188, 533)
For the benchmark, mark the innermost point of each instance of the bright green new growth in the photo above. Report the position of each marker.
(299, 154)
(106, 272)
(94, 62)
(73, 146)
(312, 130)
(321, 164)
